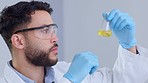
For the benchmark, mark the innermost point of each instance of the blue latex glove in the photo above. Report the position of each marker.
(83, 64)
(123, 27)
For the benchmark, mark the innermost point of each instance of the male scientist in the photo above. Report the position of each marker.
(30, 33)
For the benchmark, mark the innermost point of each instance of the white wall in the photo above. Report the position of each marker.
(79, 21)
(4, 55)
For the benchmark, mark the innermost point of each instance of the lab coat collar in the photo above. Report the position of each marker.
(10, 76)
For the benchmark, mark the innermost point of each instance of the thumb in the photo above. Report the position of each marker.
(105, 16)
(93, 69)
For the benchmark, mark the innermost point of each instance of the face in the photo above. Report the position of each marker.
(38, 51)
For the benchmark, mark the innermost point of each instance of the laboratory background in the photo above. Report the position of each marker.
(79, 22)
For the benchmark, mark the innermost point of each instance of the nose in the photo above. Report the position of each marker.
(54, 38)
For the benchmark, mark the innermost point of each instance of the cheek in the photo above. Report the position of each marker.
(33, 44)
(45, 45)
(38, 43)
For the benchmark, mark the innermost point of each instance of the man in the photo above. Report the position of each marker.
(30, 33)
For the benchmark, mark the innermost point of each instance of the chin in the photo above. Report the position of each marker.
(53, 56)
(54, 62)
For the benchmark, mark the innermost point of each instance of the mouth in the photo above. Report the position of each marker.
(55, 50)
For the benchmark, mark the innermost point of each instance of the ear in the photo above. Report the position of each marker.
(17, 41)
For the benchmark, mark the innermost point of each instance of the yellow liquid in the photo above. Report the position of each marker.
(105, 33)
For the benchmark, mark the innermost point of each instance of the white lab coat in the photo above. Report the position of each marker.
(128, 68)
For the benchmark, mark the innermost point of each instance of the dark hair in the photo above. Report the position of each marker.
(18, 16)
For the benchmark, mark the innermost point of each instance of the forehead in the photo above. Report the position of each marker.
(40, 18)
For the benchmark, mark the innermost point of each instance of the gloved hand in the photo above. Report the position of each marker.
(122, 26)
(83, 64)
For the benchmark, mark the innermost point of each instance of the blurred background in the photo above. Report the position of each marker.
(79, 21)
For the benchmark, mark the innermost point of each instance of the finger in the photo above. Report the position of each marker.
(92, 57)
(119, 21)
(131, 23)
(123, 25)
(115, 19)
(112, 14)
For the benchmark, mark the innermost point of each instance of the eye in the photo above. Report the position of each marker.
(45, 30)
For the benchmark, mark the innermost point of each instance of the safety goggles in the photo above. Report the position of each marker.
(42, 32)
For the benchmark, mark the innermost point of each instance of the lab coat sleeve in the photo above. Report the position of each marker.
(128, 68)
(60, 69)
(131, 68)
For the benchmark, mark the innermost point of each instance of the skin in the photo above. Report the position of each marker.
(20, 43)
(133, 49)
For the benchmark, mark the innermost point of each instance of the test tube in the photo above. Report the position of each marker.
(107, 32)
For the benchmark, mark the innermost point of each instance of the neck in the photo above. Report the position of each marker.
(31, 71)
